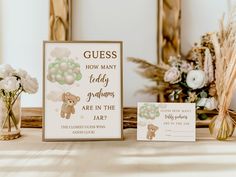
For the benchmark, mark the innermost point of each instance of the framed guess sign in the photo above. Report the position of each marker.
(82, 93)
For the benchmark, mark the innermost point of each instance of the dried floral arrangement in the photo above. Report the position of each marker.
(224, 42)
(206, 76)
(185, 79)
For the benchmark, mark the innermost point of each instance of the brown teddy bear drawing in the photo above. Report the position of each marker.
(151, 133)
(69, 101)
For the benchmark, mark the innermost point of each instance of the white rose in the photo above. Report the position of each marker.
(30, 85)
(6, 71)
(196, 79)
(22, 73)
(172, 76)
(9, 84)
(208, 103)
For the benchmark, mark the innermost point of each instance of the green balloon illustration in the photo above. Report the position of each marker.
(64, 71)
(149, 111)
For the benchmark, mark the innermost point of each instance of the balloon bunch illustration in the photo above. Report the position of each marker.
(64, 70)
(149, 111)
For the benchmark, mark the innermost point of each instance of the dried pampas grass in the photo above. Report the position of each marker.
(208, 66)
(155, 73)
(222, 126)
(150, 71)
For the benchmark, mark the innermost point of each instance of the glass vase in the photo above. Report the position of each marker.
(10, 118)
(222, 126)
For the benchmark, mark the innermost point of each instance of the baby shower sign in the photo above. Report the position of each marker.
(82, 91)
(166, 122)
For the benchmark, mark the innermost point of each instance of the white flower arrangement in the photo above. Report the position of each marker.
(12, 81)
(184, 80)
(12, 84)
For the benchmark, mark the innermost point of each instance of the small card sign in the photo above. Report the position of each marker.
(166, 122)
(82, 93)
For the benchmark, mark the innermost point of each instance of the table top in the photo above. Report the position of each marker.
(29, 156)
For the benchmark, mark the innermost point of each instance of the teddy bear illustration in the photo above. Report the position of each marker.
(151, 133)
(69, 101)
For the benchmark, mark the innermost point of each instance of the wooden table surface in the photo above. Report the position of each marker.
(30, 157)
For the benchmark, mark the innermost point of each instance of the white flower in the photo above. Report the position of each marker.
(208, 103)
(30, 85)
(196, 79)
(186, 67)
(22, 73)
(6, 71)
(9, 84)
(172, 76)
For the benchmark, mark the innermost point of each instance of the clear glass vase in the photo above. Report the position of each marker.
(10, 118)
(222, 126)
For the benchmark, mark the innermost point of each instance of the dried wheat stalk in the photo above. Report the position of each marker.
(225, 74)
(225, 49)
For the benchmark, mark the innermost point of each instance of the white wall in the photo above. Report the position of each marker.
(199, 17)
(24, 25)
(134, 22)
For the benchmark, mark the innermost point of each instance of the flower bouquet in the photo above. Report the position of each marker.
(206, 76)
(12, 84)
(184, 79)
